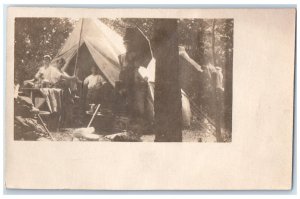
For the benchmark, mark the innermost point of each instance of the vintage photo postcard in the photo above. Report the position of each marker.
(149, 99)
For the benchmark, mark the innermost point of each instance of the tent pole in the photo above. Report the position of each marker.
(76, 60)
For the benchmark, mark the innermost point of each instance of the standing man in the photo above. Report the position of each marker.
(57, 78)
(134, 85)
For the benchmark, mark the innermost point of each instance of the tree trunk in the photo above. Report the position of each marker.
(217, 104)
(213, 41)
(200, 59)
(217, 107)
(200, 44)
(228, 75)
(167, 97)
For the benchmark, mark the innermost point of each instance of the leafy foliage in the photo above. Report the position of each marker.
(194, 34)
(36, 37)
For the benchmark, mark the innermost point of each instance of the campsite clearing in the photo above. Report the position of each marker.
(188, 136)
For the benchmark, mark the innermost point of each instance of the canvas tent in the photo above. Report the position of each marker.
(97, 44)
(97, 41)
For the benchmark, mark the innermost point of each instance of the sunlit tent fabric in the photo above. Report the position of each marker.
(149, 72)
(100, 45)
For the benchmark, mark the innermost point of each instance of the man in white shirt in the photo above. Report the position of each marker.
(40, 74)
(93, 83)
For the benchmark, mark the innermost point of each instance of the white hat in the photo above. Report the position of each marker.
(47, 57)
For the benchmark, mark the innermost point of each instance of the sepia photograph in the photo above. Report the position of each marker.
(123, 79)
(149, 98)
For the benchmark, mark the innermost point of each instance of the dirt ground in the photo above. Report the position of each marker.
(198, 131)
(188, 136)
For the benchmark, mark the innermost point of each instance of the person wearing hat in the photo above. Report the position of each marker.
(39, 76)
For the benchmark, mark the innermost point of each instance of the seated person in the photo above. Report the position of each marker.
(39, 76)
(56, 76)
(93, 83)
(46, 62)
